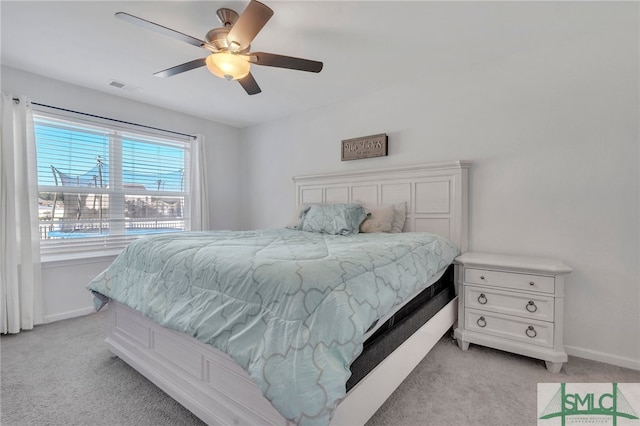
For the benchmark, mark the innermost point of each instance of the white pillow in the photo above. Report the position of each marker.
(399, 217)
(379, 218)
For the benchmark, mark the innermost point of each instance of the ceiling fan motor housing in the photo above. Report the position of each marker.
(218, 37)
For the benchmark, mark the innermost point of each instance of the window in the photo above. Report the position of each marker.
(100, 187)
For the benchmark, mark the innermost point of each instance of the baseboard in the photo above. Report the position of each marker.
(69, 314)
(619, 361)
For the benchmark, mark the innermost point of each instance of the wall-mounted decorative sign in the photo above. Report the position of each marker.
(365, 147)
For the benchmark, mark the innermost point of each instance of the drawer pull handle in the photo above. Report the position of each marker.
(531, 332)
(482, 322)
(482, 299)
(482, 277)
(532, 283)
(531, 307)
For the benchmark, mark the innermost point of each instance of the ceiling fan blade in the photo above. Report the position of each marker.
(196, 63)
(280, 61)
(249, 24)
(249, 84)
(161, 29)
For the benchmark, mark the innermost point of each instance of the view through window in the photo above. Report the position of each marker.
(102, 187)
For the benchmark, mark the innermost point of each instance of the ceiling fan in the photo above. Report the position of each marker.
(229, 46)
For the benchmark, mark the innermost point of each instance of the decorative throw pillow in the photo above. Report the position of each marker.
(335, 219)
(399, 217)
(379, 219)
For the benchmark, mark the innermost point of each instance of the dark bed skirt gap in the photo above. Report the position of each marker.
(402, 325)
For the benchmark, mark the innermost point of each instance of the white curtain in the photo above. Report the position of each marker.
(20, 272)
(198, 181)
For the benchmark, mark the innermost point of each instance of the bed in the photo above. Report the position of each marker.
(211, 382)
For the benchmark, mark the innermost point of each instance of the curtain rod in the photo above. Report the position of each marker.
(107, 118)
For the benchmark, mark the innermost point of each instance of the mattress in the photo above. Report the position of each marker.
(399, 326)
(390, 317)
(271, 299)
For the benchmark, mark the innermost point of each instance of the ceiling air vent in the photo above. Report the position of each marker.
(124, 86)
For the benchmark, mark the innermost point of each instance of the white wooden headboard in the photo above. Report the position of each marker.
(436, 194)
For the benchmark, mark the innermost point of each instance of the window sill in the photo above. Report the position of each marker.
(56, 259)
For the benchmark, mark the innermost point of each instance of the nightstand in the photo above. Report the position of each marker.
(514, 304)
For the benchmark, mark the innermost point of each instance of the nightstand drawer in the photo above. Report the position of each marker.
(513, 280)
(509, 303)
(509, 327)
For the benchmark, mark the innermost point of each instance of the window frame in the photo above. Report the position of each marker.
(60, 249)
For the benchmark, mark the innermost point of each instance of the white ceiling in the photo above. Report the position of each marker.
(364, 45)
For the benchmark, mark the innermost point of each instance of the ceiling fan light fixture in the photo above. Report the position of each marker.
(227, 65)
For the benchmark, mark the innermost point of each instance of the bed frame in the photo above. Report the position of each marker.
(212, 386)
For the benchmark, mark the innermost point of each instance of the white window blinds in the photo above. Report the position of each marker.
(100, 187)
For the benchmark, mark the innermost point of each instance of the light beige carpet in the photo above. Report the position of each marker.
(62, 374)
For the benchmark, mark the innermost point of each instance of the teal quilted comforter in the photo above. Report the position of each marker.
(290, 307)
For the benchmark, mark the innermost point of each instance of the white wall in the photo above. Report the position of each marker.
(553, 134)
(65, 282)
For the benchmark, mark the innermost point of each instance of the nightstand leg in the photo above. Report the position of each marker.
(554, 367)
(463, 345)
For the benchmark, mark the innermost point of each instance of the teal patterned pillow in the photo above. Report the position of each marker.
(337, 219)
